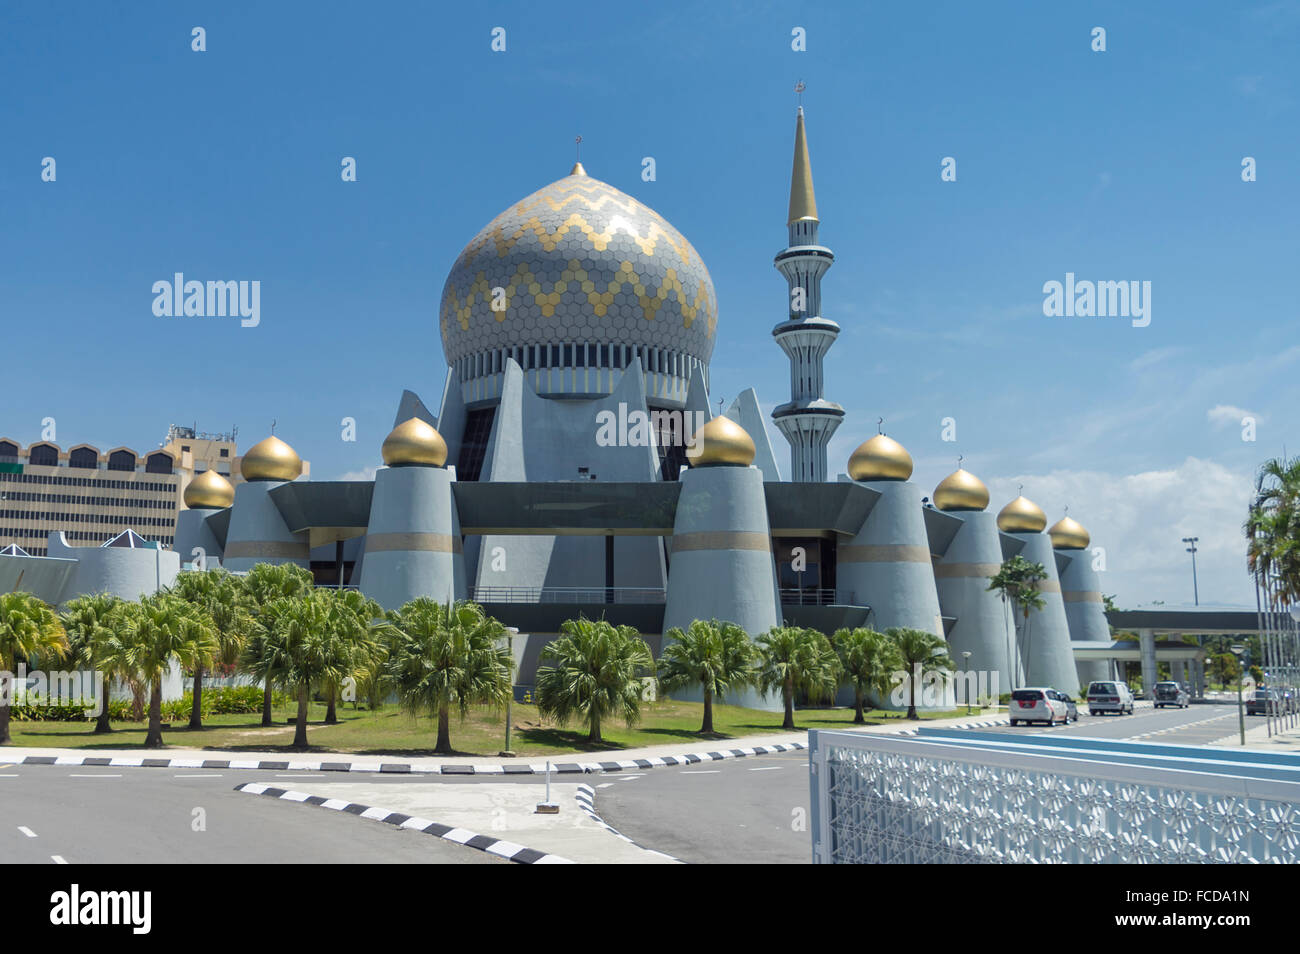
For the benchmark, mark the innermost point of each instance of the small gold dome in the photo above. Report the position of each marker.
(1022, 515)
(414, 442)
(1068, 534)
(881, 458)
(961, 490)
(209, 491)
(271, 459)
(721, 443)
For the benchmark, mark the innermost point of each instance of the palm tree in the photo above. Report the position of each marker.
(221, 596)
(1017, 581)
(162, 630)
(714, 655)
(265, 583)
(794, 660)
(305, 646)
(362, 627)
(92, 622)
(595, 670)
(447, 655)
(918, 651)
(28, 629)
(867, 660)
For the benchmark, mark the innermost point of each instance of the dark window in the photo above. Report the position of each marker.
(185, 448)
(555, 356)
(83, 457)
(159, 463)
(121, 460)
(225, 452)
(44, 455)
(568, 356)
(474, 445)
(8, 449)
(580, 356)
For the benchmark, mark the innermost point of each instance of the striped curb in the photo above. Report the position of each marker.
(586, 799)
(461, 836)
(416, 768)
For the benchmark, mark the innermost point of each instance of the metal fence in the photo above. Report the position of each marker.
(566, 594)
(891, 799)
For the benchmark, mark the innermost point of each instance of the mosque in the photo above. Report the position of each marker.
(579, 305)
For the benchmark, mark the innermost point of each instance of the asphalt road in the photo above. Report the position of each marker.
(138, 815)
(750, 810)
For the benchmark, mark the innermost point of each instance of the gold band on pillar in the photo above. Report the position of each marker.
(1081, 596)
(883, 553)
(1048, 586)
(721, 540)
(425, 542)
(949, 570)
(267, 549)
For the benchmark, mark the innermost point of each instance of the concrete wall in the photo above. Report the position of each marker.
(258, 533)
(120, 571)
(962, 577)
(192, 531)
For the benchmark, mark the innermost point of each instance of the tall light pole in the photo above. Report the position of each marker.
(1196, 597)
(965, 668)
(511, 633)
(1238, 650)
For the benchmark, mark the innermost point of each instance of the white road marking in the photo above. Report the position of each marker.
(27, 831)
(604, 784)
(214, 775)
(624, 778)
(58, 859)
(8, 776)
(296, 775)
(94, 775)
(701, 772)
(767, 768)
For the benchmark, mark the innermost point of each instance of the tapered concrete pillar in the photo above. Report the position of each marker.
(413, 542)
(722, 565)
(193, 533)
(1147, 644)
(1085, 610)
(982, 626)
(887, 565)
(258, 533)
(1044, 639)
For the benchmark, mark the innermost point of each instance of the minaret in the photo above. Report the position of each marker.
(808, 420)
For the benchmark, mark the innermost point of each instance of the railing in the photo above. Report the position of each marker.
(807, 597)
(566, 594)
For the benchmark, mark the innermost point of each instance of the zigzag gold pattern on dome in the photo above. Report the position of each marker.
(524, 282)
(495, 232)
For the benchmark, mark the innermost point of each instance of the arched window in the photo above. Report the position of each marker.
(159, 462)
(43, 455)
(121, 460)
(86, 458)
(8, 449)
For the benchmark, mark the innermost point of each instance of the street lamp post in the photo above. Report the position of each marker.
(511, 633)
(1191, 541)
(965, 668)
(1239, 651)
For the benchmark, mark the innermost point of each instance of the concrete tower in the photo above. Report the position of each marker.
(1085, 609)
(207, 494)
(1045, 648)
(258, 533)
(722, 565)
(887, 563)
(808, 420)
(413, 545)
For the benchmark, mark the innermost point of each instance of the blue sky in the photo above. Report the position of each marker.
(1122, 165)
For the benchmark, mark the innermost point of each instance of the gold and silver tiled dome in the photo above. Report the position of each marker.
(588, 277)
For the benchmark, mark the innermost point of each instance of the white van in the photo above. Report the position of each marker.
(1109, 696)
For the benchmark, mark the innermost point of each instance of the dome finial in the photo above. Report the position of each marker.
(880, 425)
(577, 169)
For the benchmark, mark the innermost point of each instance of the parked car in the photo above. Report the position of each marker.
(1037, 705)
(1263, 701)
(1170, 694)
(1109, 696)
(1071, 710)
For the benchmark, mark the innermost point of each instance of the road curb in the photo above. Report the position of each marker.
(461, 836)
(586, 799)
(416, 768)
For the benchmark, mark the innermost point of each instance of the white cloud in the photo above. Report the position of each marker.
(1141, 519)
(364, 474)
(1222, 415)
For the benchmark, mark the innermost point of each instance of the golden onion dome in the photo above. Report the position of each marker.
(721, 443)
(961, 490)
(881, 458)
(1022, 515)
(414, 442)
(1068, 534)
(271, 459)
(209, 491)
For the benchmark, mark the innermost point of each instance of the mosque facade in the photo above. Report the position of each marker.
(578, 306)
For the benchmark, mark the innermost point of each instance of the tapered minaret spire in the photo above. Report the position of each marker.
(807, 420)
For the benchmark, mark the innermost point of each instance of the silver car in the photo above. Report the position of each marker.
(1038, 705)
(1109, 696)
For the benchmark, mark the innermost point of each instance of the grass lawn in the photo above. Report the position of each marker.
(389, 731)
